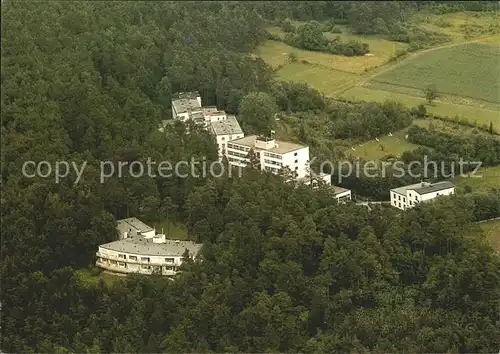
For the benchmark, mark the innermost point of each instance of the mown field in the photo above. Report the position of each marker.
(472, 111)
(466, 76)
(276, 53)
(490, 231)
(381, 50)
(374, 150)
(461, 26)
(483, 181)
(470, 70)
(323, 79)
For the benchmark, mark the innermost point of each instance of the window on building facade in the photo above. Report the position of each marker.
(132, 258)
(169, 260)
(295, 154)
(296, 161)
(145, 259)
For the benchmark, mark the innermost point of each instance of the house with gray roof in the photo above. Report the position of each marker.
(407, 197)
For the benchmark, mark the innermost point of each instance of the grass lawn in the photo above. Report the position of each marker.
(171, 229)
(470, 70)
(392, 145)
(494, 40)
(382, 49)
(88, 278)
(489, 178)
(492, 231)
(275, 53)
(450, 128)
(323, 79)
(456, 24)
(472, 113)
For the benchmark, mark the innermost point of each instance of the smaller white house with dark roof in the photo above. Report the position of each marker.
(140, 250)
(407, 197)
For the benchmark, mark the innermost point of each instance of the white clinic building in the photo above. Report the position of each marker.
(140, 250)
(272, 154)
(225, 131)
(187, 105)
(407, 197)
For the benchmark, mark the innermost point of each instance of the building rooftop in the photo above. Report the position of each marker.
(197, 116)
(339, 190)
(134, 224)
(228, 126)
(186, 101)
(424, 187)
(186, 95)
(147, 247)
(280, 147)
(436, 187)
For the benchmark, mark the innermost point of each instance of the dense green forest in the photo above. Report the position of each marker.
(284, 269)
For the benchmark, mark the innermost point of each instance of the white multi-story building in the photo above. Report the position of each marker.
(141, 250)
(272, 155)
(187, 105)
(407, 197)
(226, 130)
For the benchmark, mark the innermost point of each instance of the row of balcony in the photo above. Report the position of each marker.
(136, 261)
(123, 269)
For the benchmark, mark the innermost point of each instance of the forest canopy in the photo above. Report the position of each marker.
(283, 269)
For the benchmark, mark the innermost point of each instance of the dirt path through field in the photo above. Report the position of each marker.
(364, 79)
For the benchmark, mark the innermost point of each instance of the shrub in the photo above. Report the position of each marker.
(287, 25)
(336, 29)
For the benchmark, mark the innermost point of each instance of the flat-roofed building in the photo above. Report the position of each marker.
(272, 155)
(144, 251)
(226, 130)
(133, 225)
(408, 196)
(341, 194)
(186, 105)
(212, 114)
